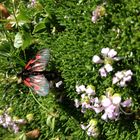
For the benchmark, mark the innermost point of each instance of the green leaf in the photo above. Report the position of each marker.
(49, 120)
(18, 42)
(27, 40)
(53, 123)
(39, 27)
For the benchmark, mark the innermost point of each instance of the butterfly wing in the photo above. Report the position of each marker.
(39, 62)
(38, 83)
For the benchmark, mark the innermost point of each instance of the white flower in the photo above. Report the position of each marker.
(105, 51)
(96, 100)
(119, 74)
(96, 59)
(104, 117)
(122, 77)
(122, 83)
(77, 103)
(78, 89)
(127, 79)
(108, 67)
(128, 73)
(115, 80)
(82, 88)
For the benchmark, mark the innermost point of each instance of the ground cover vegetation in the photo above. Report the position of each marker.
(95, 46)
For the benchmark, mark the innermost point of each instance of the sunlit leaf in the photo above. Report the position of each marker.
(27, 40)
(18, 42)
(49, 120)
(39, 27)
(53, 124)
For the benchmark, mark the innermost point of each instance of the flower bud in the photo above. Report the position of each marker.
(93, 122)
(29, 117)
(10, 110)
(96, 59)
(109, 91)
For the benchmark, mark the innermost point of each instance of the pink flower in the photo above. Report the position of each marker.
(91, 128)
(127, 103)
(102, 72)
(109, 56)
(97, 13)
(122, 77)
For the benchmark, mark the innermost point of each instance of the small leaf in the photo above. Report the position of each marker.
(18, 42)
(49, 120)
(27, 40)
(39, 27)
(53, 124)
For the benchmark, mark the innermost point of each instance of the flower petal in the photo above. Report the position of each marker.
(112, 53)
(105, 51)
(108, 67)
(102, 71)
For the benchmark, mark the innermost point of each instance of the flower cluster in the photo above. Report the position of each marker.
(109, 104)
(97, 13)
(10, 122)
(87, 97)
(122, 77)
(109, 56)
(91, 128)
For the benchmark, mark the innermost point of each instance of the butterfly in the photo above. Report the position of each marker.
(34, 74)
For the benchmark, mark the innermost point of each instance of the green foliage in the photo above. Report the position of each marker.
(66, 28)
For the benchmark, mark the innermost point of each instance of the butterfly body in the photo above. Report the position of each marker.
(35, 76)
